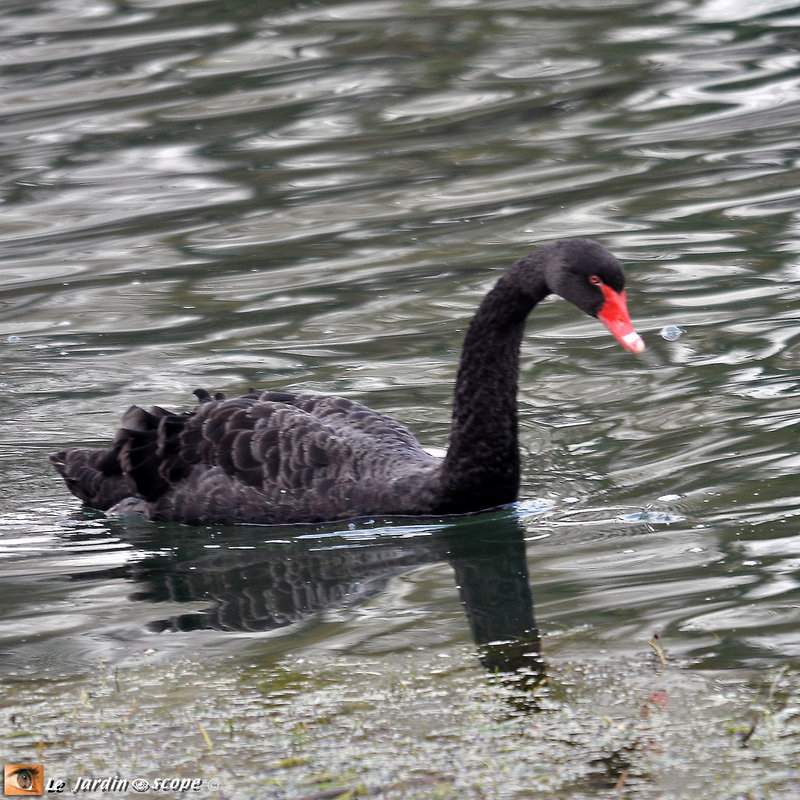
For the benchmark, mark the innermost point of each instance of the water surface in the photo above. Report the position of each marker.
(316, 196)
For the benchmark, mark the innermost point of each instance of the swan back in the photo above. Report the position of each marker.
(262, 458)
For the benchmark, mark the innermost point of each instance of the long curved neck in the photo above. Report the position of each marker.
(481, 469)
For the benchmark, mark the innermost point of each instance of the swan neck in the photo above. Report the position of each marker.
(481, 469)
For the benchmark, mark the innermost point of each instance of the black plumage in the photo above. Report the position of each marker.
(278, 457)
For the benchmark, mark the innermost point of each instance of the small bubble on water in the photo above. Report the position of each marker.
(13, 339)
(671, 333)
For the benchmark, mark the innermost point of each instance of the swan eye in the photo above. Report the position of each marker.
(595, 279)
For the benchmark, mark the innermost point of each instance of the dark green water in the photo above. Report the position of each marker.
(316, 196)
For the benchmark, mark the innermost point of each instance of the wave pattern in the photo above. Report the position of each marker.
(317, 195)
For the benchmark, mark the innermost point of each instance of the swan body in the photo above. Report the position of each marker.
(275, 457)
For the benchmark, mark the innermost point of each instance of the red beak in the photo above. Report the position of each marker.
(614, 315)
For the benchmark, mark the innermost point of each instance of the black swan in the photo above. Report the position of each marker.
(274, 457)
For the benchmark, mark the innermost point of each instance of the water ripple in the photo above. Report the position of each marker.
(318, 195)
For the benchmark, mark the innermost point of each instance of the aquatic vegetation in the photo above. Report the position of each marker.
(418, 725)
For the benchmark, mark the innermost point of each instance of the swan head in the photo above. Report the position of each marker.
(590, 277)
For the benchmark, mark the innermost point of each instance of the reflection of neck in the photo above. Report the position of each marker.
(481, 469)
(492, 577)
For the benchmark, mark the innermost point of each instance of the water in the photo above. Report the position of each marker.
(316, 196)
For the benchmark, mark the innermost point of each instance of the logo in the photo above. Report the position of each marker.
(23, 780)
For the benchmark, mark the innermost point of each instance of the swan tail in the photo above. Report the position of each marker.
(94, 476)
(140, 462)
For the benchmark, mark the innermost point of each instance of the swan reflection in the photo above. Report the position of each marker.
(264, 579)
